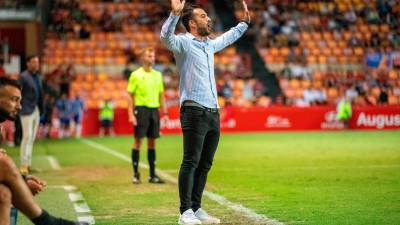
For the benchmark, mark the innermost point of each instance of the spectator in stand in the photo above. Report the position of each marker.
(84, 32)
(395, 59)
(320, 95)
(259, 89)
(354, 41)
(309, 97)
(300, 70)
(372, 16)
(226, 89)
(280, 100)
(394, 38)
(383, 98)
(351, 93)
(286, 71)
(248, 90)
(66, 78)
(350, 15)
(375, 40)
(127, 70)
(373, 58)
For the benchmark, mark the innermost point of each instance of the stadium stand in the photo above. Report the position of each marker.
(328, 48)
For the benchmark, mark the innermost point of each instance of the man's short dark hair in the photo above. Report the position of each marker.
(4, 81)
(29, 57)
(187, 14)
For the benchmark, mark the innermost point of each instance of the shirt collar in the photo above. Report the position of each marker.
(192, 37)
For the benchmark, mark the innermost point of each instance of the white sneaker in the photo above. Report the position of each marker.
(188, 218)
(205, 218)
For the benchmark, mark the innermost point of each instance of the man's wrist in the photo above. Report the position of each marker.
(246, 22)
(175, 13)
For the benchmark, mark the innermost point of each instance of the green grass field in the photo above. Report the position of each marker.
(312, 178)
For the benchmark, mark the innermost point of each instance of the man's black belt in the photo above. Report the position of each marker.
(195, 104)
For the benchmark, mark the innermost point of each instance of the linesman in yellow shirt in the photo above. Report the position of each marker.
(145, 88)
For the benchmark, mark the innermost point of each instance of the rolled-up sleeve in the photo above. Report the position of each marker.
(168, 37)
(229, 37)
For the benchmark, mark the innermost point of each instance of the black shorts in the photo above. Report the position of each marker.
(148, 122)
(106, 123)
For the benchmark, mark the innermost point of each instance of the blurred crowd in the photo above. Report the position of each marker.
(302, 28)
(363, 32)
(18, 4)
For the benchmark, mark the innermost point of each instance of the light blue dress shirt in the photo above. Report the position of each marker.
(195, 60)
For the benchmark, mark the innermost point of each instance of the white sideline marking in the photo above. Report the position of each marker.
(54, 163)
(80, 206)
(76, 197)
(87, 219)
(258, 218)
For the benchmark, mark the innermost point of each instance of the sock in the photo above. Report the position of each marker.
(46, 219)
(151, 156)
(135, 160)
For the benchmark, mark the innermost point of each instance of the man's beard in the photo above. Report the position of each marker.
(4, 115)
(203, 31)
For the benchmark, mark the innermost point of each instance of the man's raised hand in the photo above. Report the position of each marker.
(177, 6)
(246, 12)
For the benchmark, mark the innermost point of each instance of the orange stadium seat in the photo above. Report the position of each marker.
(98, 86)
(116, 94)
(322, 59)
(90, 103)
(264, 101)
(384, 28)
(122, 85)
(305, 36)
(284, 51)
(120, 60)
(332, 93)
(290, 93)
(122, 103)
(343, 59)
(316, 36)
(359, 51)
(326, 51)
(273, 51)
(102, 77)
(86, 86)
(99, 60)
(393, 74)
(299, 92)
(393, 100)
(110, 85)
(374, 28)
(342, 44)
(315, 51)
(326, 35)
(311, 59)
(317, 75)
(294, 83)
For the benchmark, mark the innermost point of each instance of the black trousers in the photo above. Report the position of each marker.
(201, 132)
